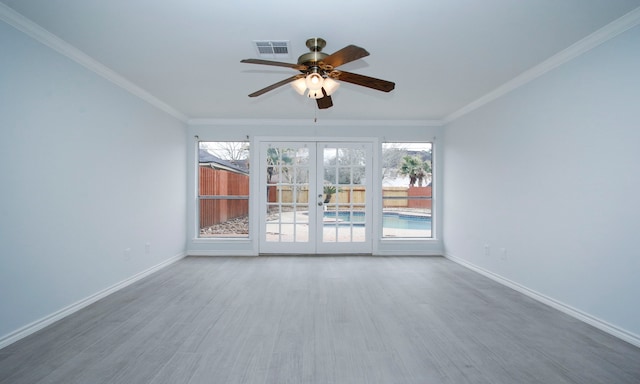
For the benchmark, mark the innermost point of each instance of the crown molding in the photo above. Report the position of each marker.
(311, 122)
(28, 27)
(21, 23)
(609, 31)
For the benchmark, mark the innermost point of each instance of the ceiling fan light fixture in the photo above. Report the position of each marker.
(314, 81)
(330, 86)
(315, 94)
(300, 85)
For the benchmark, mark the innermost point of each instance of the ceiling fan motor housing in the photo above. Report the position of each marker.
(312, 58)
(316, 44)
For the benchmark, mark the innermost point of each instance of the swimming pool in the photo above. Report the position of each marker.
(395, 220)
(405, 221)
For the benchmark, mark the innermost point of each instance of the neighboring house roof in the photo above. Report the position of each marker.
(207, 159)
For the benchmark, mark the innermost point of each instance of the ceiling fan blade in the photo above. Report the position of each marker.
(324, 102)
(275, 63)
(365, 81)
(345, 55)
(274, 86)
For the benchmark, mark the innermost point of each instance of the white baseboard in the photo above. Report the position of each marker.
(245, 254)
(602, 325)
(406, 253)
(213, 253)
(66, 311)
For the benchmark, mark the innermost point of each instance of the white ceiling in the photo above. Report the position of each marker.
(442, 54)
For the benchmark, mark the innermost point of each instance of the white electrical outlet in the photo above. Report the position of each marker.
(487, 250)
(127, 254)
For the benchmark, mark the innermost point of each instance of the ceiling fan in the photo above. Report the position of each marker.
(319, 74)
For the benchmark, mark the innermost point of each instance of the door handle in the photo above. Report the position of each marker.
(319, 203)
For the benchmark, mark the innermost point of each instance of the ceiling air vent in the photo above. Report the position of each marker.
(272, 48)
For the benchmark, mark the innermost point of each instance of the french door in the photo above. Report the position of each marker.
(315, 197)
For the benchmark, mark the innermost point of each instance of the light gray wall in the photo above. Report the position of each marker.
(551, 173)
(87, 170)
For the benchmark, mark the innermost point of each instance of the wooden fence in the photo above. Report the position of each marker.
(400, 197)
(215, 182)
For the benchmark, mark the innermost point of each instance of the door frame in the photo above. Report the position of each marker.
(373, 210)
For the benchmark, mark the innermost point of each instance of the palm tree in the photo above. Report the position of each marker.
(410, 166)
(328, 190)
(425, 172)
(415, 168)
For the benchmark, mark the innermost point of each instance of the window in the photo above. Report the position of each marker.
(223, 189)
(406, 190)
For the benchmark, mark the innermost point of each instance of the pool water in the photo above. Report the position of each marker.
(400, 221)
(389, 220)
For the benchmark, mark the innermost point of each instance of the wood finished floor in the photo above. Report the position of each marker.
(319, 320)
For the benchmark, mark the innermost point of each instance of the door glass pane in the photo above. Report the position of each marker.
(358, 175)
(287, 218)
(344, 174)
